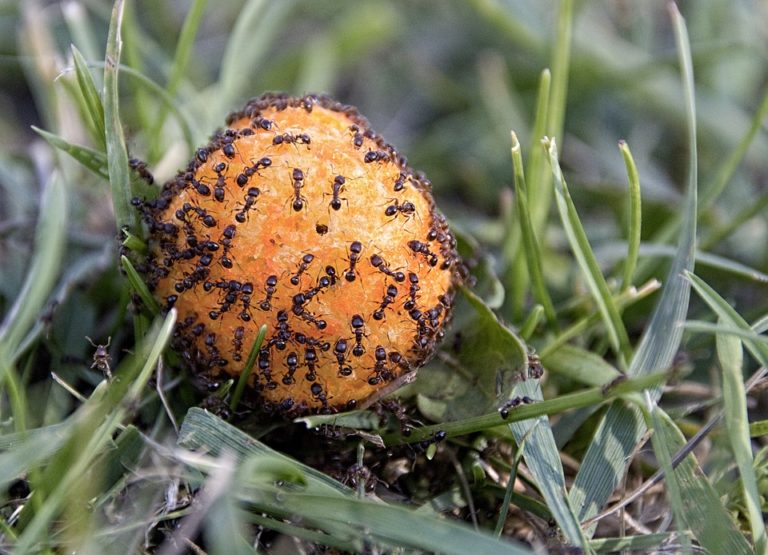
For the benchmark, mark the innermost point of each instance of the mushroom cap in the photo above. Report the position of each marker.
(300, 217)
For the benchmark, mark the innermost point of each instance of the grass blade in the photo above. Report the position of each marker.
(530, 244)
(138, 285)
(94, 107)
(635, 217)
(181, 58)
(729, 351)
(577, 238)
(616, 436)
(542, 458)
(50, 244)
(254, 32)
(117, 154)
(91, 159)
(97, 421)
(700, 508)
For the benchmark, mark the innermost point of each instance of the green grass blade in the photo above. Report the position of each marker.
(94, 107)
(183, 53)
(729, 351)
(621, 428)
(530, 243)
(92, 159)
(701, 510)
(585, 398)
(577, 238)
(97, 421)
(542, 458)
(662, 446)
(634, 227)
(117, 155)
(255, 30)
(539, 191)
(50, 244)
(726, 313)
(137, 284)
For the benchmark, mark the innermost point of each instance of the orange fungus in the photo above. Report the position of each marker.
(298, 216)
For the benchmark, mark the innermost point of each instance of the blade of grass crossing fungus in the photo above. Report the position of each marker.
(729, 351)
(50, 244)
(117, 154)
(621, 428)
(577, 238)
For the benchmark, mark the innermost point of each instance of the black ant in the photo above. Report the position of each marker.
(237, 343)
(292, 360)
(141, 169)
(306, 260)
(338, 183)
(298, 183)
(357, 326)
(242, 178)
(423, 248)
(339, 350)
(288, 138)
(355, 248)
(410, 304)
(380, 369)
(207, 219)
(247, 290)
(250, 199)
(512, 403)
(407, 209)
(310, 357)
(378, 262)
(389, 298)
(270, 289)
(357, 137)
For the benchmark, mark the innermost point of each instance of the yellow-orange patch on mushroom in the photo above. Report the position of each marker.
(300, 217)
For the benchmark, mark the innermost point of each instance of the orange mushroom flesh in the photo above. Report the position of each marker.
(298, 216)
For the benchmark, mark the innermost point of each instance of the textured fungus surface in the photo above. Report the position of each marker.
(299, 216)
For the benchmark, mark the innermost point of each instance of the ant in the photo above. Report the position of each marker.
(389, 298)
(237, 343)
(306, 260)
(101, 358)
(340, 349)
(248, 171)
(338, 184)
(378, 262)
(355, 248)
(407, 209)
(270, 289)
(310, 357)
(423, 248)
(512, 403)
(410, 304)
(250, 199)
(298, 183)
(357, 325)
(288, 138)
(357, 137)
(292, 360)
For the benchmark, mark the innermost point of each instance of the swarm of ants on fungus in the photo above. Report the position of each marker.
(300, 217)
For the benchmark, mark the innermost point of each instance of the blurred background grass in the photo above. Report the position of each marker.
(445, 82)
